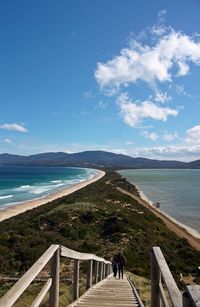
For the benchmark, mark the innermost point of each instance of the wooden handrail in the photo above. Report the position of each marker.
(135, 291)
(71, 254)
(53, 253)
(159, 268)
(22, 284)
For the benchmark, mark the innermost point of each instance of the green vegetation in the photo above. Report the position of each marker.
(27, 298)
(97, 219)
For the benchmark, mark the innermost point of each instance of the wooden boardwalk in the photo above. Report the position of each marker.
(110, 292)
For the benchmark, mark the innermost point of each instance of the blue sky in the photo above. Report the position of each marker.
(120, 76)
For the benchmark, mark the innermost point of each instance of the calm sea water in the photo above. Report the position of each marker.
(178, 191)
(18, 184)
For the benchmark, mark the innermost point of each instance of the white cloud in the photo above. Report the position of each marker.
(133, 114)
(14, 127)
(150, 63)
(161, 16)
(170, 136)
(150, 135)
(179, 153)
(161, 97)
(158, 30)
(183, 69)
(193, 135)
(179, 88)
(175, 152)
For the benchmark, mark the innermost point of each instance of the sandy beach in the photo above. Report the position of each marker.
(14, 210)
(192, 231)
(179, 229)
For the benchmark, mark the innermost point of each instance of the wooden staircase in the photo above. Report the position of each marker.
(103, 290)
(109, 292)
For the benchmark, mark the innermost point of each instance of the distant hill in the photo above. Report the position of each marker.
(193, 164)
(98, 159)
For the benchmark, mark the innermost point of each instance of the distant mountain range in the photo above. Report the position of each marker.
(95, 159)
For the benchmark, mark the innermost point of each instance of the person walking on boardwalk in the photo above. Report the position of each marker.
(121, 261)
(115, 264)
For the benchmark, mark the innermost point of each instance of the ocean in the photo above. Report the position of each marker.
(178, 191)
(19, 184)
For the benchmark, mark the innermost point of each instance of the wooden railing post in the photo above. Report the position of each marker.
(155, 280)
(89, 274)
(76, 279)
(101, 271)
(54, 290)
(96, 272)
(107, 269)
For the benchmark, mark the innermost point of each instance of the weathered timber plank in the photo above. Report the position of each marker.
(173, 290)
(106, 305)
(55, 272)
(163, 296)
(42, 293)
(75, 284)
(69, 253)
(194, 294)
(119, 294)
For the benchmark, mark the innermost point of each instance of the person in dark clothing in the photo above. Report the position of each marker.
(114, 265)
(121, 261)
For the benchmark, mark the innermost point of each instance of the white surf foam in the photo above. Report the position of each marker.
(22, 188)
(56, 181)
(6, 196)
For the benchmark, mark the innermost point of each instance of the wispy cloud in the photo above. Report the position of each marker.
(193, 135)
(101, 105)
(7, 141)
(14, 127)
(179, 88)
(88, 94)
(128, 143)
(133, 114)
(170, 136)
(153, 136)
(161, 97)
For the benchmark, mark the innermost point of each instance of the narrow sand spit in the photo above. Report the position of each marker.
(179, 229)
(28, 205)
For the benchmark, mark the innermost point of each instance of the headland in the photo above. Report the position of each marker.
(98, 218)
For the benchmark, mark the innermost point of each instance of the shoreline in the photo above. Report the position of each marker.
(181, 230)
(189, 229)
(22, 207)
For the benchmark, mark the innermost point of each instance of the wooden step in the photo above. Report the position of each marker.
(111, 292)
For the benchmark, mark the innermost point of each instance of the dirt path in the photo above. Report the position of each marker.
(171, 225)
